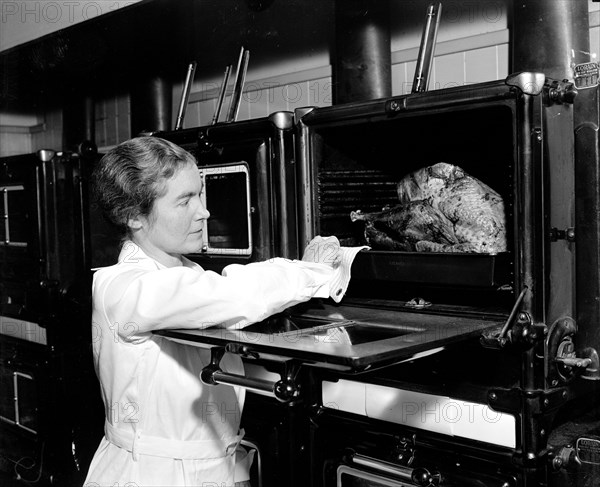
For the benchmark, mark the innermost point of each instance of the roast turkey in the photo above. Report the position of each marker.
(451, 210)
(405, 227)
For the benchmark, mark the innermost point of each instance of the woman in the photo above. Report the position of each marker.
(163, 426)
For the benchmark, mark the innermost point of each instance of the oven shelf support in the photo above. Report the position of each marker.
(519, 329)
(284, 390)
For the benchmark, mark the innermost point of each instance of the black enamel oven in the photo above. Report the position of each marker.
(45, 360)
(248, 174)
(450, 369)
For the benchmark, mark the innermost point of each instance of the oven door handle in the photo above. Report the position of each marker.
(418, 476)
(284, 390)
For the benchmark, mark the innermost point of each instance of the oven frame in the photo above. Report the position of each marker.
(543, 268)
(530, 222)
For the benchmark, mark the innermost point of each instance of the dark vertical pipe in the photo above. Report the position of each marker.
(550, 36)
(151, 105)
(362, 58)
(79, 121)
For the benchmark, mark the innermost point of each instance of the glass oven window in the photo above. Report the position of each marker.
(7, 397)
(26, 404)
(18, 400)
(227, 198)
(13, 229)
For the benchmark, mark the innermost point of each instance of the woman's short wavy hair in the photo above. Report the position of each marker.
(132, 175)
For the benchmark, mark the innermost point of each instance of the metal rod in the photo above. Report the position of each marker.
(221, 95)
(399, 471)
(185, 95)
(427, 48)
(513, 313)
(259, 385)
(238, 86)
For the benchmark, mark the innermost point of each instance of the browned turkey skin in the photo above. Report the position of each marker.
(442, 209)
(403, 227)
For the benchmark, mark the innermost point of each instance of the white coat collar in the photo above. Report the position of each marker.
(131, 253)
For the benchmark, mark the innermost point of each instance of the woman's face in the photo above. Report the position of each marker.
(175, 224)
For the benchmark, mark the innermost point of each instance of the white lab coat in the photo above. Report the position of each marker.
(163, 426)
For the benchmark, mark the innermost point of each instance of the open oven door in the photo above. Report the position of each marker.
(349, 339)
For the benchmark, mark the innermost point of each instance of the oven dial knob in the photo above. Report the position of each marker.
(424, 478)
(285, 391)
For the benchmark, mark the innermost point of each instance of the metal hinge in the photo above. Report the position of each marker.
(568, 234)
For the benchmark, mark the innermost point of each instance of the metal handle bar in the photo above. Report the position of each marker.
(284, 390)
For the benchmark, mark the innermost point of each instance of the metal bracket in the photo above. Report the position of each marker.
(568, 234)
(540, 401)
(284, 390)
(518, 330)
(406, 449)
(561, 92)
(528, 83)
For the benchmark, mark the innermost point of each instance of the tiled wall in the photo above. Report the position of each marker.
(473, 59)
(51, 135)
(112, 120)
(22, 134)
(457, 62)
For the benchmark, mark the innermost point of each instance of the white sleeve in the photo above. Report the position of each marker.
(137, 301)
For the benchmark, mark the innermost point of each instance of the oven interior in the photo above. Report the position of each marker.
(358, 164)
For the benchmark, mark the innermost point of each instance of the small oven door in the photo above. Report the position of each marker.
(371, 472)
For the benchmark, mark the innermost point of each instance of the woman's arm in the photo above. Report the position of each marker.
(137, 301)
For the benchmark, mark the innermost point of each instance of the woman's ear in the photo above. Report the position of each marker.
(135, 223)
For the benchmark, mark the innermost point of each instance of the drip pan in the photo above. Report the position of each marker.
(447, 269)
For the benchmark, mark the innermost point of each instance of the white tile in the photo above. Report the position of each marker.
(502, 68)
(481, 65)
(449, 71)
(192, 116)
(320, 92)
(297, 95)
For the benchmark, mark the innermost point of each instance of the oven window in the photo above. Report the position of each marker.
(226, 194)
(227, 197)
(26, 405)
(18, 399)
(13, 229)
(7, 395)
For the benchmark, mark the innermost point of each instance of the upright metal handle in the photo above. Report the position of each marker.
(221, 95)
(284, 390)
(185, 95)
(427, 48)
(238, 85)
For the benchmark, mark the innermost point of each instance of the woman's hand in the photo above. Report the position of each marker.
(323, 250)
